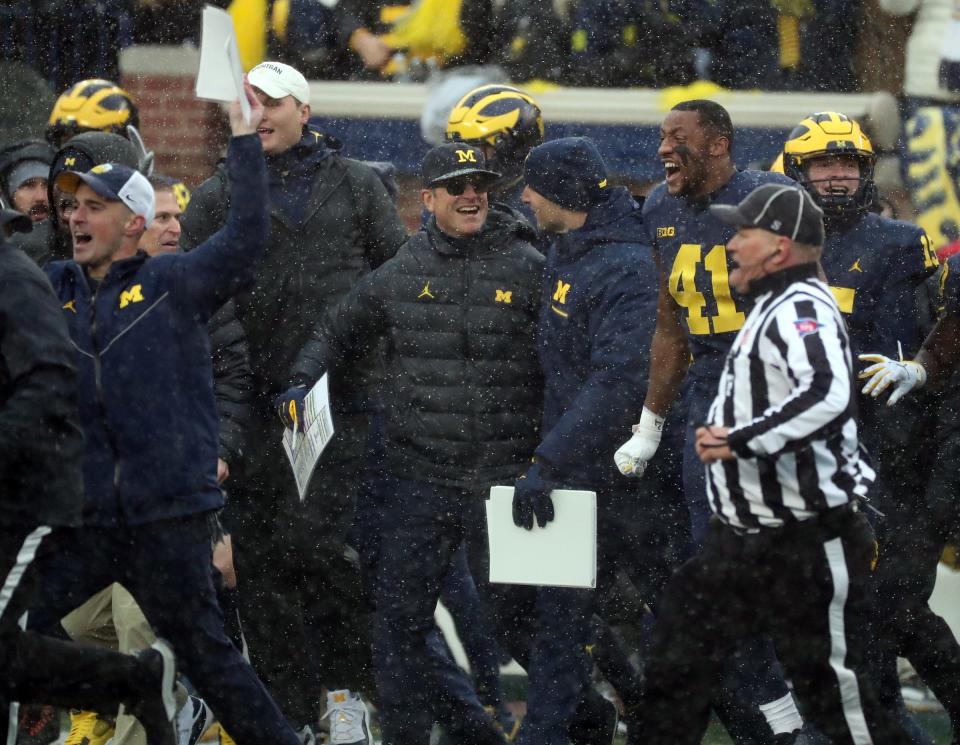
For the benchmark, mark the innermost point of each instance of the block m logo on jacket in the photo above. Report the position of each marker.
(133, 295)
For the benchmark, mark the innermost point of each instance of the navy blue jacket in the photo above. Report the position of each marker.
(874, 268)
(597, 315)
(147, 406)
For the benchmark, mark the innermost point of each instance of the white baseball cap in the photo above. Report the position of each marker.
(278, 80)
(115, 182)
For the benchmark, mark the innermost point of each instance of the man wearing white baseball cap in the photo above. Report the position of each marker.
(331, 222)
(285, 96)
(148, 413)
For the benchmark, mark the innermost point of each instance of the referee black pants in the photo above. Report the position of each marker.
(806, 586)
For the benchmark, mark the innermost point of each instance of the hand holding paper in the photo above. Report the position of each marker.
(239, 124)
(308, 428)
(290, 405)
(565, 555)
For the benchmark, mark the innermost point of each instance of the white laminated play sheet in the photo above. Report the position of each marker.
(220, 77)
(304, 446)
(563, 554)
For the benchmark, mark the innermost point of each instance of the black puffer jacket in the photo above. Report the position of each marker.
(349, 226)
(41, 444)
(463, 385)
(232, 381)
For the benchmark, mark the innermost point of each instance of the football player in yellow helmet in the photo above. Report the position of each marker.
(504, 122)
(91, 105)
(875, 267)
(829, 154)
(98, 105)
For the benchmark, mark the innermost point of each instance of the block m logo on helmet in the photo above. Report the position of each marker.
(90, 106)
(466, 156)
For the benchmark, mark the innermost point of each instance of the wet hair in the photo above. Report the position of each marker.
(712, 116)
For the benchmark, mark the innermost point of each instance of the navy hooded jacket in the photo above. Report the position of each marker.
(597, 316)
(147, 405)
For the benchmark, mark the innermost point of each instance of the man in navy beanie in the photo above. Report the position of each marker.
(597, 312)
(570, 172)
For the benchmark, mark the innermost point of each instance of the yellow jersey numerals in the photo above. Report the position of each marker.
(683, 287)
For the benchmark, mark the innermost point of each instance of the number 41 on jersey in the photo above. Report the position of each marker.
(683, 286)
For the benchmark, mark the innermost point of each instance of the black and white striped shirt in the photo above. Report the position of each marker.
(787, 394)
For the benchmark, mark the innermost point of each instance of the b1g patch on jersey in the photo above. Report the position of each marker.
(807, 326)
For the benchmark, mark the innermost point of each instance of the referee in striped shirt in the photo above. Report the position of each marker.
(788, 553)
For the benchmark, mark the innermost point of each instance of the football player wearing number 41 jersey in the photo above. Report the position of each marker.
(698, 316)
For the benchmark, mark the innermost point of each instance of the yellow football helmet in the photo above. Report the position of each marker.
(182, 194)
(503, 118)
(830, 133)
(91, 105)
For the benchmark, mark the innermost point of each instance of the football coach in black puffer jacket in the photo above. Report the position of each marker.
(457, 308)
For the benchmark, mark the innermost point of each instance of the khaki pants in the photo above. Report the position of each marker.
(112, 619)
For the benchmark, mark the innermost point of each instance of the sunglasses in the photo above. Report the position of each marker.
(456, 186)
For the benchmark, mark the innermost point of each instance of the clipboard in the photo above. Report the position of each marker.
(563, 554)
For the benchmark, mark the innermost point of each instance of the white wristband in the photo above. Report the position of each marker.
(651, 422)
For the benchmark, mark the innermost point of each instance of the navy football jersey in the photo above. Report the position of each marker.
(874, 269)
(691, 246)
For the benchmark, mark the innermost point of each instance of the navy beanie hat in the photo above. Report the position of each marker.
(569, 172)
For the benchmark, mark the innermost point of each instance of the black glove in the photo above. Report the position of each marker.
(531, 496)
(290, 407)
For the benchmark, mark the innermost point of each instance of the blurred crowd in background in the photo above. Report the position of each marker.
(842, 46)
(835, 45)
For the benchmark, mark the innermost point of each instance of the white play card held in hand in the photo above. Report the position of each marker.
(305, 446)
(563, 554)
(220, 77)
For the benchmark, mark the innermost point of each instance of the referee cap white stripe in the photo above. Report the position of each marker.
(769, 201)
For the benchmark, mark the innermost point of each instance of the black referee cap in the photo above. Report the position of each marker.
(779, 208)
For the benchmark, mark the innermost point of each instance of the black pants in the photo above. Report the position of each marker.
(166, 566)
(917, 494)
(304, 619)
(910, 547)
(805, 586)
(40, 669)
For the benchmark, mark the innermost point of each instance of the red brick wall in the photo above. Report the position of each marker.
(187, 135)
